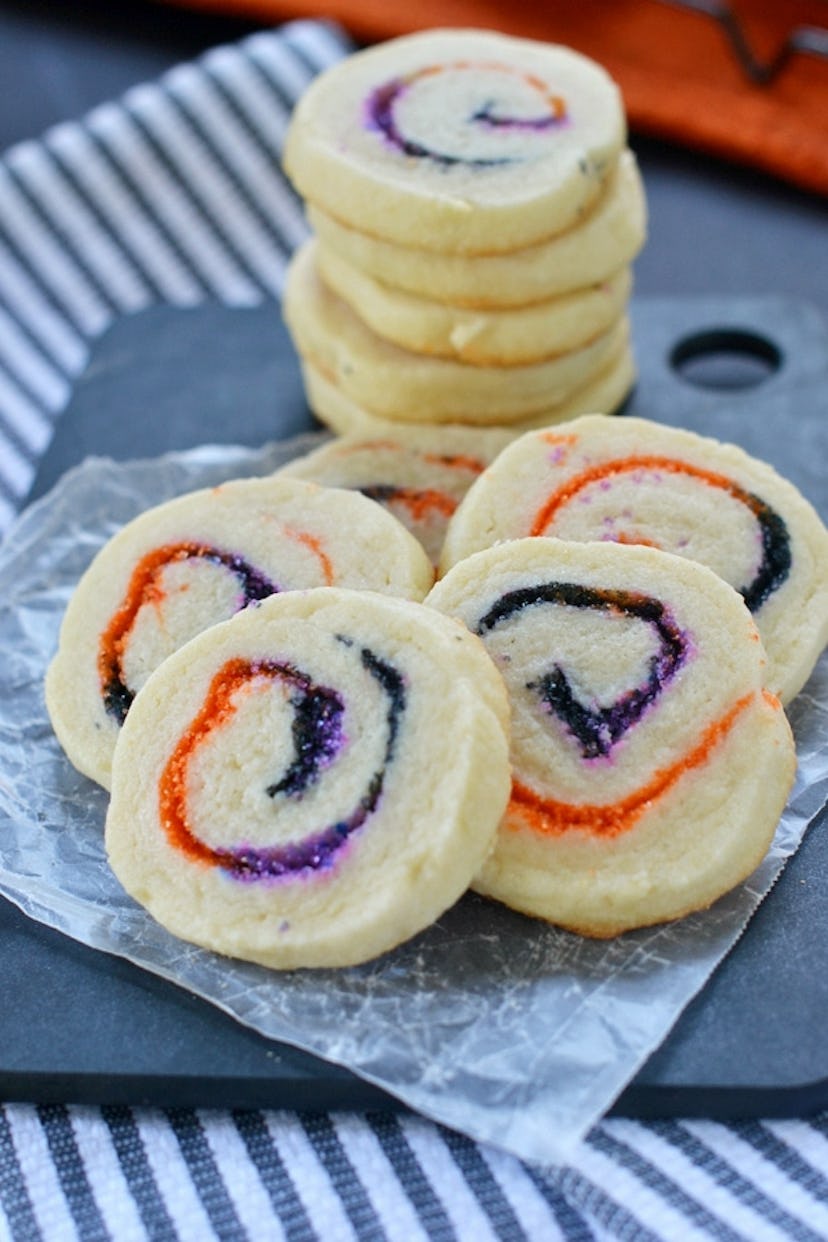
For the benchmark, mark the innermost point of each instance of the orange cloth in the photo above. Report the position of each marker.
(680, 78)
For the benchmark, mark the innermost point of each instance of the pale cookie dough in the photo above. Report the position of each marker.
(186, 564)
(508, 337)
(457, 140)
(313, 781)
(650, 764)
(634, 481)
(607, 238)
(419, 473)
(605, 393)
(400, 385)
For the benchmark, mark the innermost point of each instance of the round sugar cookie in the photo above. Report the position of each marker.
(191, 562)
(650, 766)
(395, 383)
(607, 238)
(457, 140)
(313, 781)
(634, 481)
(420, 474)
(510, 337)
(605, 392)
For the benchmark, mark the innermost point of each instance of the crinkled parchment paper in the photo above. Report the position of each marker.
(511, 1031)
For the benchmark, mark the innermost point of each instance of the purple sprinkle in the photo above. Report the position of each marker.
(320, 728)
(378, 116)
(598, 729)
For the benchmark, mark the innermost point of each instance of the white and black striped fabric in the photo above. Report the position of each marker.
(174, 194)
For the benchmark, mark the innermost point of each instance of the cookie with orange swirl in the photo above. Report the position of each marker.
(280, 792)
(457, 140)
(398, 384)
(634, 481)
(650, 764)
(419, 473)
(184, 565)
(608, 237)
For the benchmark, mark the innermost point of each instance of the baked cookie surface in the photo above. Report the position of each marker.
(282, 790)
(508, 337)
(185, 565)
(458, 140)
(606, 391)
(609, 236)
(394, 383)
(650, 764)
(630, 480)
(419, 473)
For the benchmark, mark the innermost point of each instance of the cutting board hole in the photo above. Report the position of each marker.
(725, 359)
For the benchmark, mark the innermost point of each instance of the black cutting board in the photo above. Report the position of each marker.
(89, 1028)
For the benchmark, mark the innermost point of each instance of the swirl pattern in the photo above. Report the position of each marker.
(313, 780)
(318, 741)
(775, 561)
(505, 100)
(597, 728)
(145, 587)
(639, 720)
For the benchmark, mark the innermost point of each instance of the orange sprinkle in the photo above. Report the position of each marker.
(555, 103)
(555, 438)
(549, 817)
(623, 465)
(143, 588)
(218, 708)
(314, 544)
(636, 539)
(421, 503)
(459, 461)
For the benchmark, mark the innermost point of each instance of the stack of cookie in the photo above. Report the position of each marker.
(475, 213)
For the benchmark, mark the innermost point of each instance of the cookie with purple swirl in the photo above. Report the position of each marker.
(280, 792)
(185, 565)
(630, 480)
(650, 764)
(457, 140)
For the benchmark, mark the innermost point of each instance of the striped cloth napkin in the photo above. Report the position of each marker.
(173, 194)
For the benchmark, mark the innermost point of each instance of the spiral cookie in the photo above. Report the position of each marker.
(196, 560)
(419, 473)
(607, 238)
(396, 384)
(282, 790)
(605, 391)
(640, 723)
(483, 337)
(457, 140)
(634, 481)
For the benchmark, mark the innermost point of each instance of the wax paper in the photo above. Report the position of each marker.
(506, 1029)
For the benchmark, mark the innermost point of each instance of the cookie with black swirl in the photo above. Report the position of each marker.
(282, 790)
(630, 480)
(650, 763)
(184, 565)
